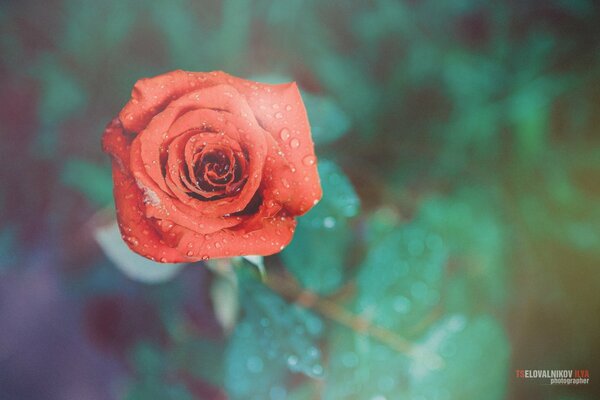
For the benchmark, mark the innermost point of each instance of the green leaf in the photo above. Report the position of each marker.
(272, 339)
(468, 223)
(456, 359)
(248, 373)
(328, 121)
(362, 368)
(320, 268)
(201, 357)
(400, 280)
(152, 370)
(475, 356)
(62, 95)
(181, 30)
(91, 180)
(93, 30)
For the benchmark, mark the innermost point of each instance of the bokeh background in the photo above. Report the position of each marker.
(458, 144)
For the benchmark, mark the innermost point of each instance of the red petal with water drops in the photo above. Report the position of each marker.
(208, 165)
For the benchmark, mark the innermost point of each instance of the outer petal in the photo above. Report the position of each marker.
(281, 112)
(138, 232)
(151, 95)
(274, 234)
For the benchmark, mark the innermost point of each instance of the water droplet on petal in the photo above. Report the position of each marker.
(288, 108)
(309, 160)
(278, 115)
(295, 143)
(284, 134)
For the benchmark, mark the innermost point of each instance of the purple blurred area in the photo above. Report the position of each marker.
(43, 354)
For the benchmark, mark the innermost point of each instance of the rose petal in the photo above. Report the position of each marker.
(272, 236)
(146, 146)
(139, 234)
(281, 112)
(151, 95)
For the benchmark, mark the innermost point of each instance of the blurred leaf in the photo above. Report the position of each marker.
(62, 95)
(581, 8)
(248, 376)
(201, 357)
(232, 37)
(91, 180)
(562, 206)
(328, 121)
(320, 268)
(132, 264)
(361, 368)
(273, 337)
(305, 391)
(151, 365)
(475, 357)
(93, 29)
(468, 224)
(181, 31)
(399, 283)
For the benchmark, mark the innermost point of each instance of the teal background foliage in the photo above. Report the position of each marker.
(458, 238)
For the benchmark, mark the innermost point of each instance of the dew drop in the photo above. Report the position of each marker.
(329, 222)
(254, 364)
(190, 253)
(401, 305)
(278, 115)
(317, 370)
(292, 361)
(309, 160)
(378, 397)
(284, 134)
(349, 360)
(295, 143)
(288, 108)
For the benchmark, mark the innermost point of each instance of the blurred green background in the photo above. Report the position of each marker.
(458, 145)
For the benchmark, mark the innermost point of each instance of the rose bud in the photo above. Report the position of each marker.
(207, 165)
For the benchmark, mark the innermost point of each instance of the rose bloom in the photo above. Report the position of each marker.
(208, 165)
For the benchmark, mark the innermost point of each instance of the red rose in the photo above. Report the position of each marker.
(208, 165)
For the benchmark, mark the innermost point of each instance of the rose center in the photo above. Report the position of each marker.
(218, 170)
